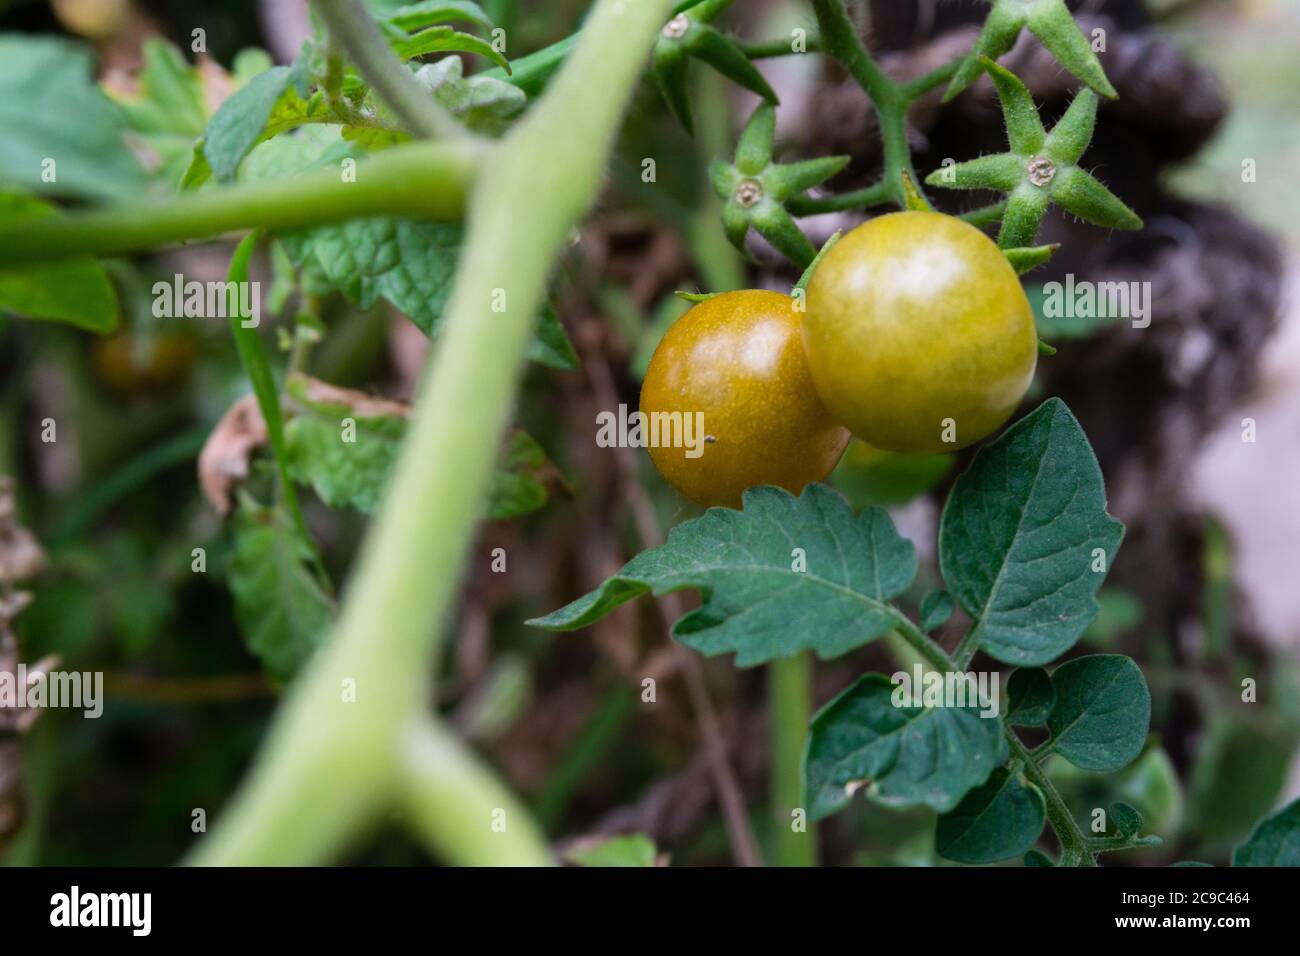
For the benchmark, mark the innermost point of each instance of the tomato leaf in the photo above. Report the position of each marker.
(744, 564)
(936, 608)
(906, 756)
(443, 40)
(413, 16)
(238, 123)
(279, 604)
(1000, 819)
(1025, 540)
(1275, 842)
(1102, 712)
(76, 291)
(62, 135)
(1030, 697)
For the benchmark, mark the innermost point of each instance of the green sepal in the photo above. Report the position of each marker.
(997, 36)
(784, 181)
(754, 149)
(1079, 193)
(1073, 131)
(802, 284)
(1000, 171)
(1052, 23)
(670, 74)
(725, 55)
(1024, 214)
(725, 178)
(913, 199)
(1025, 258)
(695, 298)
(735, 223)
(1025, 132)
(778, 227)
(1045, 349)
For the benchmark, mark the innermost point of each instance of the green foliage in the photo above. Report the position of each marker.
(1275, 842)
(50, 108)
(1025, 540)
(936, 608)
(744, 563)
(998, 820)
(1102, 711)
(76, 291)
(282, 610)
(903, 756)
(1031, 696)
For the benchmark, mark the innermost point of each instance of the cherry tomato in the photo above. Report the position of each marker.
(738, 359)
(918, 334)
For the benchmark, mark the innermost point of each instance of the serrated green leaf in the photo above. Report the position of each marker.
(905, 756)
(1275, 842)
(1025, 540)
(281, 609)
(346, 459)
(936, 609)
(742, 562)
(1000, 819)
(76, 291)
(634, 849)
(1102, 712)
(52, 111)
(238, 123)
(169, 111)
(1030, 697)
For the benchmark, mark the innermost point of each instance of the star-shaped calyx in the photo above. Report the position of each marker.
(1051, 22)
(689, 34)
(1041, 167)
(756, 189)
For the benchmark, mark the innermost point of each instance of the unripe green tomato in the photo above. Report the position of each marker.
(918, 334)
(738, 359)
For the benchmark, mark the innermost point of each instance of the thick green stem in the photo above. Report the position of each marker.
(428, 181)
(789, 695)
(1074, 843)
(458, 807)
(352, 28)
(333, 762)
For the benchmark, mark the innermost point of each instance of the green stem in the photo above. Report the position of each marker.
(352, 28)
(967, 647)
(912, 89)
(1075, 850)
(459, 808)
(985, 215)
(429, 181)
(873, 195)
(925, 645)
(258, 370)
(781, 46)
(305, 799)
(789, 683)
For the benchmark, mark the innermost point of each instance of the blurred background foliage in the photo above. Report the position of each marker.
(117, 507)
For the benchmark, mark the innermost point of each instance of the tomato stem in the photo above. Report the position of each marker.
(789, 692)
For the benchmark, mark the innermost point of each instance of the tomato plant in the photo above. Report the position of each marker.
(451, 193)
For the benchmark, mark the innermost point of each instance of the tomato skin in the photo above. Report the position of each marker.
(738, 358)
(916, 318)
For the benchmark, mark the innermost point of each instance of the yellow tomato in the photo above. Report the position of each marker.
(737, 359)
(918, 334)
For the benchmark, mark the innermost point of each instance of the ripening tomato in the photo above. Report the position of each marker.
(918, 334)
(737, 359)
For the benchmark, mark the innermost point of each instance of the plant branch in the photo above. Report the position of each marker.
(781, 46)
(789, 683)
(459, 807)
(428, 180)
(352, 28)
(873, 195)
(304, 801)
(1075, 849)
